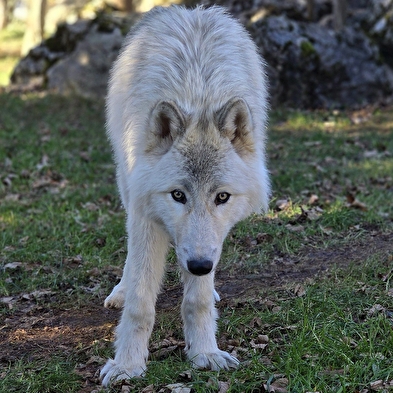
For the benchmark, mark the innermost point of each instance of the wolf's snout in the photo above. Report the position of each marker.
(199, 267)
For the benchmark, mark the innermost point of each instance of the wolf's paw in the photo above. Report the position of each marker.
(214, 361)
(116, 372)
(116, 298)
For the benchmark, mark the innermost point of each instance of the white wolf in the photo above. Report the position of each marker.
(186, 115)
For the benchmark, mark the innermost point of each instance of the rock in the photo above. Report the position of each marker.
(310, 66)
(76, 59)
(380, 24)
(85, 71)
(31, 70)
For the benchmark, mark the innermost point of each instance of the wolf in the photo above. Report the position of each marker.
(186, 116)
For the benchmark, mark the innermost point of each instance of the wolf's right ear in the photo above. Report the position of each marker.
(165, 124)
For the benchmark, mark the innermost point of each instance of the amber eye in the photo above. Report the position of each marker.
(222, 197)
(179, 196)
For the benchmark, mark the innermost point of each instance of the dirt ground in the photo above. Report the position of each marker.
(39, 332)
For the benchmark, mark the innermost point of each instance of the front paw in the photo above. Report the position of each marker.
(117, 372)
(214, 361)
(116, 298)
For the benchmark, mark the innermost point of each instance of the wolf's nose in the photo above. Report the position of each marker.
(199, 267)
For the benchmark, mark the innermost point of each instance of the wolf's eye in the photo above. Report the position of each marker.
(222, 197)
(179, 196)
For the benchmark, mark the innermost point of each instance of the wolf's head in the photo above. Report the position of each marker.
(205, 174)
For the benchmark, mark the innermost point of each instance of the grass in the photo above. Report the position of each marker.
(53, 375)
(61, 223)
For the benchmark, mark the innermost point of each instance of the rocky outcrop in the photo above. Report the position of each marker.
(76, 60)
(85, 71)
(309, 65)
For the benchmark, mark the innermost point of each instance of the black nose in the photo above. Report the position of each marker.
(199, 267)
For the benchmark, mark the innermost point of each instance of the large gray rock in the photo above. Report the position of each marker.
(309, 65)
(31, 70)
(76, 59)
(313, 67)
(85, 71)
(380, 25)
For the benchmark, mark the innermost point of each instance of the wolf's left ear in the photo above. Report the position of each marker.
(234, 122)
(165, 124)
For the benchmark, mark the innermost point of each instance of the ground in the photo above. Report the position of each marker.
(36, 332)
(307, 284)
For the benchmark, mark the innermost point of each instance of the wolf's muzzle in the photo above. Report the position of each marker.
(199, 267)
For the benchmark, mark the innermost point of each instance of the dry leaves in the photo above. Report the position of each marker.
(379, 386)
(283, 204)
(277, 384)
(165, 348)
(260, 342)
(355, 203)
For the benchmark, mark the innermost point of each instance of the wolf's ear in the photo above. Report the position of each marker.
(165, 124)
(234, 122)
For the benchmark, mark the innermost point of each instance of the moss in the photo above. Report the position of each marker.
(307, 48)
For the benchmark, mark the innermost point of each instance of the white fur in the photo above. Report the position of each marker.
(186, 110)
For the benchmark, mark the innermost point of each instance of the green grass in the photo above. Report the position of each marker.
(51, 376)
(61, 220)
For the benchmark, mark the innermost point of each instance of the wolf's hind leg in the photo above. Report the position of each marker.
(199, 317)
(147, 247)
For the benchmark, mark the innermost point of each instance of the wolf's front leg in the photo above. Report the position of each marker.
(199, 317)
(147, 247)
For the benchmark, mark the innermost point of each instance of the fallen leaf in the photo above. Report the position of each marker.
(186, 375)
(295, 228)
(255, 345)
(388, 275)
(299, 290)
(178, 388)
(13, 265)
(326, 230)
(163, 353)
(278, 386)
(377, 385)
(313, 199)
(9, 301)
(100, 242)
(283, 204)
(312, 143)
(223, 387)
(77, 259)
(355, 203)
(12, 197)
(43, 163)
(90, 206)
(263, 339)
(263, 238)
(314, 213)
(255, 322)
(85, 156)
(96, 359)
(375, 309)
(41, 293)
(371, 154)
